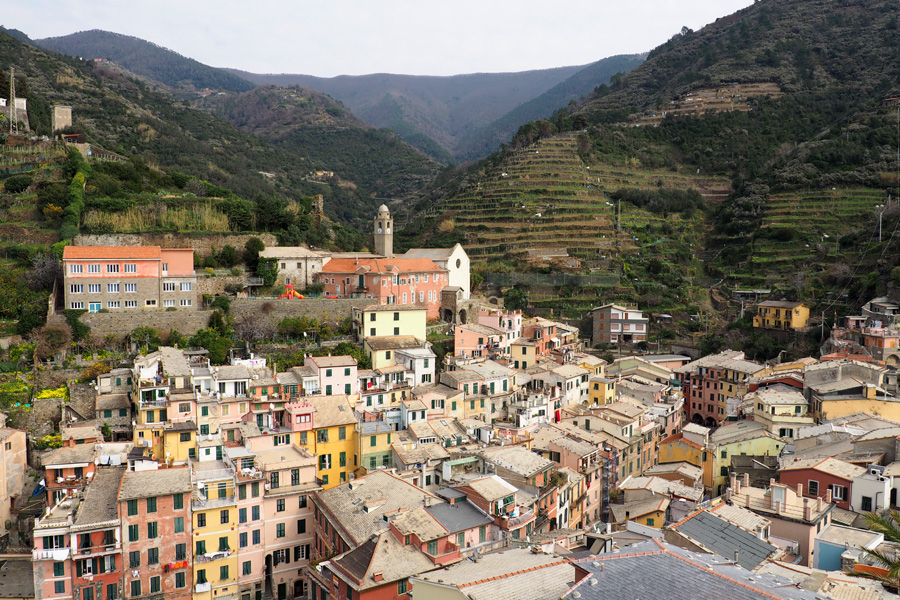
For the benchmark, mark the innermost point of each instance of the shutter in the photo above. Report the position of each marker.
(99, 565)
(306, 551)
(274, 559)
(78, 569)
(112, 563)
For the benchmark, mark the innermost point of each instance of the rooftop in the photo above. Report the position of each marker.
(112, 252)
(76, 455)
(492, 487)
(516, 573)
(381, 265)
(359, 506)
(385, 556)
(619, 513)
(829, 465)
(17, 579)
(392, 342)
(517, 459)
(720, 536)
(667, 571)
(100, 504)
(457, 517)
(332, 411)
(146, 484)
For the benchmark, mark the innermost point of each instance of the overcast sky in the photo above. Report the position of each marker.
(418, 37)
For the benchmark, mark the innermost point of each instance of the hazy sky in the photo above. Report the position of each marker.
(419, 37)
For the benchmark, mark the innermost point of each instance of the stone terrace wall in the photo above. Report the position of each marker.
(331, 311)
(202, 243)
(185, 322)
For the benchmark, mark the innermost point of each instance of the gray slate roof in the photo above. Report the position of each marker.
(100, 503)
(458, 517)
(661, 571)
(722, 537)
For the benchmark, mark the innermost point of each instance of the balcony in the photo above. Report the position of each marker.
(202, 502)
(156, 403)
(515, 522)
(98, 549)
(211, 556)
(55, 554)
(302, 487)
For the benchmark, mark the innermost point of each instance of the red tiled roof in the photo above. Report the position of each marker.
(111, 252)
(380, 265)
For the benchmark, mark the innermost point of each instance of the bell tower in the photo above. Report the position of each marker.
(384, 232)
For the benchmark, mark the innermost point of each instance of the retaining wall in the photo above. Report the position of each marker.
(331, 311)
(202, 243)
(120, 324)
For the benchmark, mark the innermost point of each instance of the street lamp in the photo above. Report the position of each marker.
(880, 214)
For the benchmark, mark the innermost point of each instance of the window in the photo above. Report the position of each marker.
(132, 533)
(154, 585)
(112, 268)
(254, 513)
(132, 508)
(59, 569)
(201, 519)
(201, 575)
(295, 476)
(256, 537)
(432, 548)
(59, 587)
(179, 580)
(185, 302)
(186, 286)
(301, 525)
(130, 287)
(223, 572)
(113, 304)
(134, 559)
(342, 433)
(76, 268)
(76, 288)
(130, 268)
(279, 505)
(223, 544)
(322, 435)
(200, 548)
(838, 492)
(151, 505)
(279, 530)
(150, 302)
(112, 591)
(401, 585)
(131, 304)
(812, 487)
(247, 567)
(168, 303)
(93, 288)
(650, 522)
(135, 588)
(866, 504)
(153, 556)
(180, 551)
(242, 514)
(112, 288)
(273, 480)
(152, 529)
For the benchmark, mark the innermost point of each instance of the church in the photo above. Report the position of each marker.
(414, 278)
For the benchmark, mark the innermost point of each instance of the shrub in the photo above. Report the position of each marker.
(18, 183)
(222, 302)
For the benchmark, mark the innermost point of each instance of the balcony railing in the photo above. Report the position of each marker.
(56, 554)
(522, 518)
(98, 549)
(155, 403)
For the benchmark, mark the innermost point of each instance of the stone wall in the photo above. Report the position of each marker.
(331, 311)
(215, 285)
(82, 398)
(202, 243)
(120, 324)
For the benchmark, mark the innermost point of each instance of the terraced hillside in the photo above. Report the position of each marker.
(801, 231)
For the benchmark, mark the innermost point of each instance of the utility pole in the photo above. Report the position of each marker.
(13, 116)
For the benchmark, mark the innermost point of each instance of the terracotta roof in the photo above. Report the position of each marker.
(381, 265)
(112, 252)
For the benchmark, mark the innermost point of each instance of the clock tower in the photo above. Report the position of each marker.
(384, 232)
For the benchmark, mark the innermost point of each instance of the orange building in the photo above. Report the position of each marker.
(119, 278)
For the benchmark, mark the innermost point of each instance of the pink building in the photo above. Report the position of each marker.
(473, 340)
(337, 374)
(389, 280)
(507, 321)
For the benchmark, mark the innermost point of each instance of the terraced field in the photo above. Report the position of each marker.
(546, 198)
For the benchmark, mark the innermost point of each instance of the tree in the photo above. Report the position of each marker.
(251, 252)
(145, 336)
(515, 298)
(889, 526)
(254, 328)
(217, 344)
(228, 256)
(51, 339)
(220, 323)
(18, 183)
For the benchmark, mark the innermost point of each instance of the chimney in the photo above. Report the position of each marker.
(807, 510)
(778, 507)
(799, 490)
(771, 481)
(746, 479)
(736, 556)
(828, 498)
(734, 482)
(819, 504)
(747, 501)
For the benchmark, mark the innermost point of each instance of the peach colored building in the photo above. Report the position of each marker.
(401, 281)
(473, 340)
(121, 278)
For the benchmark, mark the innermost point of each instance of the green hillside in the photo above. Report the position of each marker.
(778, 117)
(146, 59)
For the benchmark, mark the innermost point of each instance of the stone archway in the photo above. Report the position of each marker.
(463, 317)
(448, 315)
(710, 422)
(697, 419)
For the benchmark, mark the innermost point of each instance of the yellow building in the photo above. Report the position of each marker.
(382, 320)
(650, 512)
(779, 314)
(374, 441)
(382, 349)
(523, 353)
(215, 520)
(179, 442)
(602, 390)
(712, 452)
(333, 439)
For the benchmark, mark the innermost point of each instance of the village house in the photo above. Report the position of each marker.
(780, 314)
(614, 324)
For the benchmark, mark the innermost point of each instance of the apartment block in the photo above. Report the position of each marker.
(121, 278)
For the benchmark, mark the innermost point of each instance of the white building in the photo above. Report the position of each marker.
(871, 491)
(454, 259)
(297, 265)
(419, 363)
